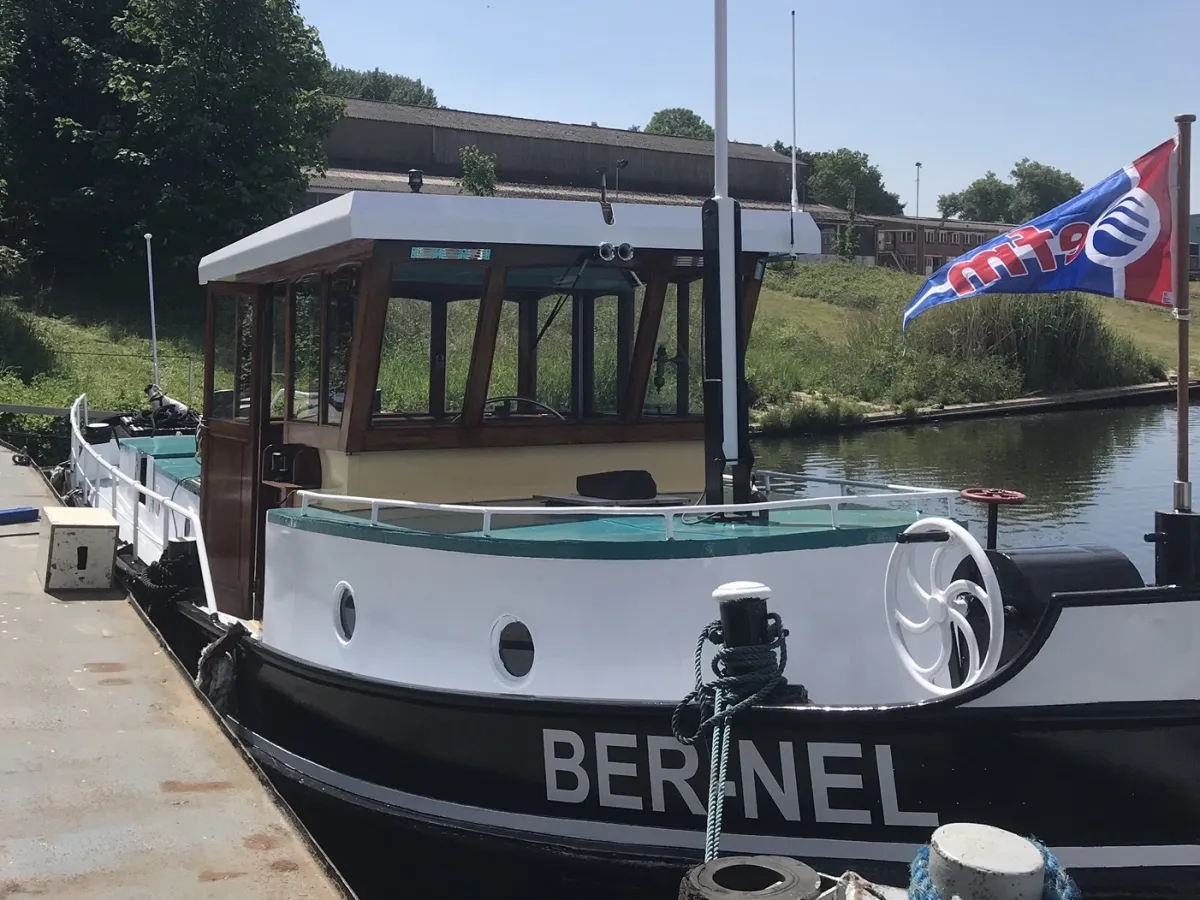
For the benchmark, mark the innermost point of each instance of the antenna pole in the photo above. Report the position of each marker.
(1183, 151)
(153, 324)
(795, 197)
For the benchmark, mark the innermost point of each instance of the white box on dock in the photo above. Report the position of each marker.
(80, 548)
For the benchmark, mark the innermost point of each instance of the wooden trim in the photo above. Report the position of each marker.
(370, 316)
(751, 288)
(323, 352)
(249, 291)
(683, 347)
(625, 334)
(484, 347)
(441, 436)
(437, 358)
(353, 251)
(209, 344)
(527, 355)
(289, 340)
(260, 414)
(643, 347)
(232, 428)
(322, 437)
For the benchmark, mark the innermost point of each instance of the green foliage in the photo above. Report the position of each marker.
(355, 84)
(809, 417)
(847, 244)
(1035, 189)
(63, 198)
(479, 171)
(831, 175)
(983, 349)
(10, 257)
(195, 120)
(987, 199)
(679, 121)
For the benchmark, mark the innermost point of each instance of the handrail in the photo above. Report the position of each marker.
(667, 513)
(201, 548)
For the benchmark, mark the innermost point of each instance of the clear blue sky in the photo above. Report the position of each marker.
(1085, 85)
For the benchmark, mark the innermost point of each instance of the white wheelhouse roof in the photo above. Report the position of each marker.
(490, 221)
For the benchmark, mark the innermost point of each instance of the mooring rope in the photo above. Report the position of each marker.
(760, 672)
(1057, 884)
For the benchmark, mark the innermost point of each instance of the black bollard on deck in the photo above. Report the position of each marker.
(1176, 539)
(743, 615)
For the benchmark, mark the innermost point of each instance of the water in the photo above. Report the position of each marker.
(1091, 476)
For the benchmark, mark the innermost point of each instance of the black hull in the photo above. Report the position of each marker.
(1114, 787)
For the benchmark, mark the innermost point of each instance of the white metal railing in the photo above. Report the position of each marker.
(893, 494)
(118, 479)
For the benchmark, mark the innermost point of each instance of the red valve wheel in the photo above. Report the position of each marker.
(992, 495)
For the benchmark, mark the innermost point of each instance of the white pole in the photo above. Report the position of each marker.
(728, 291)
(153, 324)
(795, 196)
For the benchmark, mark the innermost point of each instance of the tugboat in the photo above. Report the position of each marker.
(457, 583)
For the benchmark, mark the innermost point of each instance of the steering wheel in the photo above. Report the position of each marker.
(945, 607)
(529, 400)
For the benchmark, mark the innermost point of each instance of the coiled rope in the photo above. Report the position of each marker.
(1057, 885)
(759, 671)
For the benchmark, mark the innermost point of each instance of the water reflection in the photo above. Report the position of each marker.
(1092, 476)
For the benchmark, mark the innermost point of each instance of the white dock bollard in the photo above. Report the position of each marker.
(979, 862)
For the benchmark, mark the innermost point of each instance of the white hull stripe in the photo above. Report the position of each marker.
(1119, 857)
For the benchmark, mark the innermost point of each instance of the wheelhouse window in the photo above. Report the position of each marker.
(429, 332)
(233, 328)
(339, 333)
(675, 385)
(279, 344)
(322, 312)
(565, 344)
(305, 394)
(574, 329)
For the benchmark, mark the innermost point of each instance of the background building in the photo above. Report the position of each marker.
(375, 145)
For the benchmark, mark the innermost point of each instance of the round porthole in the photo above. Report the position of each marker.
(345, 615)
(514, 648)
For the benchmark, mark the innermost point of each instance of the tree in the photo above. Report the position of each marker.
(832, 175)
(479, 171)
(987, 199)
(679, 122)
(60, 193)
(1040, 188)
(1035, 189)
(10, 257)
(355, 84)
(221, 112)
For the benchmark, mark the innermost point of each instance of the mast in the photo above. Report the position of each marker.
(726, 435)
(795, 196)
(153, 325)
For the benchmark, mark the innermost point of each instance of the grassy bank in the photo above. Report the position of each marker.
(826, 347)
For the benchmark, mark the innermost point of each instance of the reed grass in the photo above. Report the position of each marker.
(980, 349)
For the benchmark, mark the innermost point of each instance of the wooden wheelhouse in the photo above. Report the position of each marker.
(451, 349)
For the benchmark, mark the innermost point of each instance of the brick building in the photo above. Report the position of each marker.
(898, 244)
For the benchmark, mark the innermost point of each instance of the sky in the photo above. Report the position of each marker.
(1084, 85)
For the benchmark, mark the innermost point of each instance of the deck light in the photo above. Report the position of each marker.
(416, 178)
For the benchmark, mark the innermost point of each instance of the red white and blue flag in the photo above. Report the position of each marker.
(1114, 240)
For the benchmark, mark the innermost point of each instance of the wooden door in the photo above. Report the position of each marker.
(232, 444)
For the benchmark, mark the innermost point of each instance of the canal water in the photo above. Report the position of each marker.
(1091, 476)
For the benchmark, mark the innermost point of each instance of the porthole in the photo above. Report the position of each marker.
(514, 648)
(345, 615)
